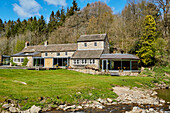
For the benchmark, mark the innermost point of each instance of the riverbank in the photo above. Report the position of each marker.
(21, 89)
(129, 100)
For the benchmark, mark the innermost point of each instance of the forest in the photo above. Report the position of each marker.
(142, 28)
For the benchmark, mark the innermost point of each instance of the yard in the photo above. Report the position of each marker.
(61, 85)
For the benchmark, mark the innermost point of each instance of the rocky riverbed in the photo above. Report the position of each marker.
(130, 100)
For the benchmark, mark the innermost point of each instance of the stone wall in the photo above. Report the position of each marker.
(54, 54)
(89, 71)
(106, 47)
(30, 62)
(90, 45)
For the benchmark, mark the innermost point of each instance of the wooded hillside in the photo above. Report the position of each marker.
(125, 30)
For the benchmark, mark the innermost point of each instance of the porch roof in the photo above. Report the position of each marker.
(22, 54)
(119, 56)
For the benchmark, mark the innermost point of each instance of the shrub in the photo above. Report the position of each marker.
(25, 62)
(12, 62)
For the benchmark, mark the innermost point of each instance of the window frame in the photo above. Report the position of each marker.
(22, 60)
(58, 53)
(95, 43)
(85, 44)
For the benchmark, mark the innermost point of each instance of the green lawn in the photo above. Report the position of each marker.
(62, 85)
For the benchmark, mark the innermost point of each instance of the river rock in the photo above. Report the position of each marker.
(61, 106)
(79, 107)
(154, 93)
(69, 107)
(27, 111)
(13, 109)
(162, 101)
(5, 106)
(134, 109)
(35, 109)
(109, 100)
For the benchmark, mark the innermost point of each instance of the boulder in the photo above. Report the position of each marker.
(5, 106)
(35, 109)
(13, 109)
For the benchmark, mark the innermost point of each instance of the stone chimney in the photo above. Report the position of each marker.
(46, 43)
(26, 44)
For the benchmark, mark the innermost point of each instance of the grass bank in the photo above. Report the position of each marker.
(61, 86)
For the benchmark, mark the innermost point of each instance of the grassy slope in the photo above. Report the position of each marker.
(62, 83)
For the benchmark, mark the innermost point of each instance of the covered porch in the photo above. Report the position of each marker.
(119, 63)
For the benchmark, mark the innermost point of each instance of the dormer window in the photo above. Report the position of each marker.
(95, 43)
(85, 44)
(46, 54)
(58, 54)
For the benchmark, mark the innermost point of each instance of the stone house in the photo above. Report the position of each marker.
(90, 51)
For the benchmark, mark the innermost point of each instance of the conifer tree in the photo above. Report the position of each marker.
(146, 51)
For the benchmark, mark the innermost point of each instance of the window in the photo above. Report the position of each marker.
(18, 59)
(58, 54)
(15, 60)
(83, 61)
(104, 44)
(66, 53)
(46, 54)
(95, 43)
(85, 44)
(93, 61)
(77, 61)
(22, 59)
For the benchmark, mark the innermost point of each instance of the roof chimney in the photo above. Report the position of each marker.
(46, 43)
(26, 44)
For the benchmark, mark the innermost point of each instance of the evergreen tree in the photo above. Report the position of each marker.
(1, 26)
(19, 46)
(146, 51)
(52, 23)
(73, 9)
(34, 24)
(62, 16)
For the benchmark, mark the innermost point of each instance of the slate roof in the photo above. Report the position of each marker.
(51, 48)
(25, 54)
(119, 56)
(92, 37)
(87, 54)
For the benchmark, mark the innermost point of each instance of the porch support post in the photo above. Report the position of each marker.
(130, 65)
(121, 64)
(102, 65)
(107, 65)
(62, 61)
(67, 61)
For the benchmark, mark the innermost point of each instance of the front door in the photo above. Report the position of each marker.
(49, 62)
